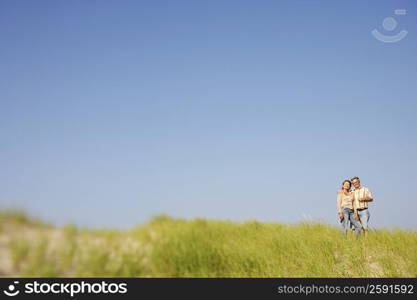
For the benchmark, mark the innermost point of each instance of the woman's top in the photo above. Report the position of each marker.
(344, 201)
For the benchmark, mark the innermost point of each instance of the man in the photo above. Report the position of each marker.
(362, 197)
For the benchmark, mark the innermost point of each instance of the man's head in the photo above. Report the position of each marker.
(356, 182)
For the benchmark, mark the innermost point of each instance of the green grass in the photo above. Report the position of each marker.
(168, 247)
(19, 217)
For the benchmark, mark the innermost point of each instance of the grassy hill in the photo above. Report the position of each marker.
(168, 247)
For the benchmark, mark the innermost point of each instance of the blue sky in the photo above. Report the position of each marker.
(115, 111)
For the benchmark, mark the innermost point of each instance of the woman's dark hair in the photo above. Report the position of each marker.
(350, 183)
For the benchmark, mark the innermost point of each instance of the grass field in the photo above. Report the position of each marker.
(168, 247)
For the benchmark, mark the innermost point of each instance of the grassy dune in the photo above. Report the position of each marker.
(167, 247)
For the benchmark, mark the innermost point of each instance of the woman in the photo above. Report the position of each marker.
(346, 208)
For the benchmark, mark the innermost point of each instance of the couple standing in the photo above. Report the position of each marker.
(352, 206)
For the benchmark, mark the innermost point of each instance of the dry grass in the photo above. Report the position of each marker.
(167, 247)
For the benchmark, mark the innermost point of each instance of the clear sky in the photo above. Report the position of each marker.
(114, 111)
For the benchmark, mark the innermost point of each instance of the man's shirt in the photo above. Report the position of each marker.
(362, 192)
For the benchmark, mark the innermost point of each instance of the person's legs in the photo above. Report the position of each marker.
(364, 218)
(345, 222)
(352, 226)
(355, 223)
